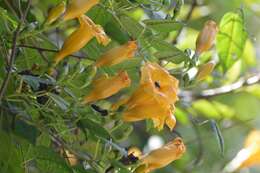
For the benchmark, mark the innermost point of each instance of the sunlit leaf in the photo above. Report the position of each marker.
(206, 108)
(231, 38)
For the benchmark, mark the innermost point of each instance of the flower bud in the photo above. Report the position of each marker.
(117, 55)
(206, 37)
(163, 156)
(77, 8)
(56, 13)
(205, 70)
(104, 86)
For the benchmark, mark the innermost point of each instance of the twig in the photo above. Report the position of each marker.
(51, 50)
(187, 18)
(199, 145)
(11, 8)
(221, 90)
(13, 53)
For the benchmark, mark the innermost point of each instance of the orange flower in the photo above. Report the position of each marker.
(79, 38)
(105, 86)
(77, 8)
(163, 156)
(249, 155)
(206, 37)
(154, 98)
(205, 70)
(158, 114)
(164, 82)
(117, 55)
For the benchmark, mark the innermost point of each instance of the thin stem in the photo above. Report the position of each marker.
(222, 90)
(187, 18)
(13, 52)
(51, 50)
(43, 29)
(10, 64)
(11, 8)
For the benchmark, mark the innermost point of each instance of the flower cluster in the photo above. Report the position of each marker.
(154, 98)
(81, 36)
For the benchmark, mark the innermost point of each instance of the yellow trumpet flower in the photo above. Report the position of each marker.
(148, 111)
(205, 70)
(155, 72)
(249, 155)
(148, 103)
(154, 98)
(206, 37)
(164, 82)
(105, 86)
(147, 93)
(117, 55)
(79, 38)
(77, 8)
(163, 156)
(56, 12)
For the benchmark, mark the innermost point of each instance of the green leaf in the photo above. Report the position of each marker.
(162, 45)
(206, 108)
(100, 15)
(218, 134)
(181, 116)
(26, 131)
(34, 81)
(94, 128)
(245, 105)
(163, 25)
(249, 54)
(133, 27)
(120, 167)
(63, 104)
(115, 32)
(122, 132)
(226, 111)
(174, 56)
(254, 90)
(231, 38)
(10, 155)
(50, 161)
(4, 14)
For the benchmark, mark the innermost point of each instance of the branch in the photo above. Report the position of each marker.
(51, 50)
(221, 90)
(187, 18)
(13, 52)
